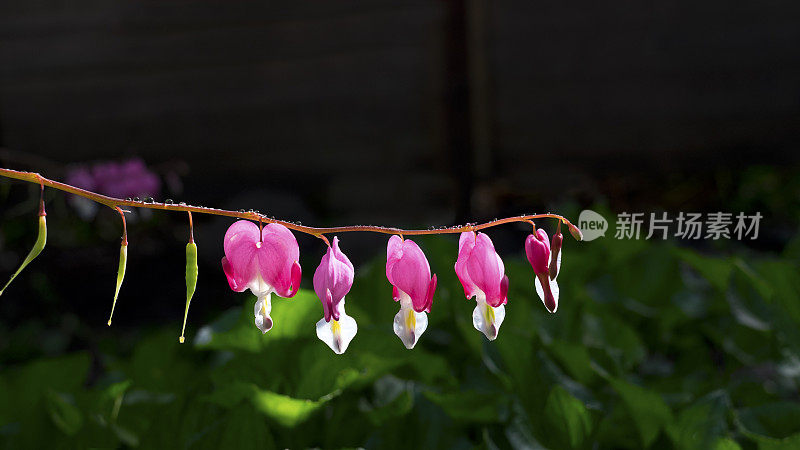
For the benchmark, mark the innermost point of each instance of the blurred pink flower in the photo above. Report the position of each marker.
(129, 178)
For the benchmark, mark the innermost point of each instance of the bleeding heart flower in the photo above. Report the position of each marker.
(264, 262)
(332, 281)
(482, 274)
(546, 265)
(410, 274)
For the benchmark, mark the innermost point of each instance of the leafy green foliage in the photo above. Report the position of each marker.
(653, 346)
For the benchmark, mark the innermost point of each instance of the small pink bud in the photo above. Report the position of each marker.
(537, 249)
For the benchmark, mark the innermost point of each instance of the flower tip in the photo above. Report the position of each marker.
(487, 319)
(575, 232)
(337, 334)
(181, 339)
(109, 322)
(409, 325)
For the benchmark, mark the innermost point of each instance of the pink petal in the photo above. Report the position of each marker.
(547, 294)
(297, 273)
(465, 245)
(428, 296)
(537, 249)
(503, 293)
(239, 245)
(277, 257)
(327, 305)
(235, 283)
(485, 268)
(411, 273)
(394, 250)
(333, 276)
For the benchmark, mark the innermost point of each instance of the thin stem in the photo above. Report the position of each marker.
(42, 212)
(112, 202)
(191, 228)
(124, 226)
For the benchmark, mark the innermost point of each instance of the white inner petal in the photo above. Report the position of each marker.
(259, 287)
(553, 289)
(487, 319)
(408, 324)
(337, 334)
(261, 310)
(558, 266)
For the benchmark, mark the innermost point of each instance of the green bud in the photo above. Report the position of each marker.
(123, 259)
(41, 240)
(191, 282)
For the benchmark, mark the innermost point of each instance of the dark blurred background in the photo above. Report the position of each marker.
(413, 113)
(403, 113)
(446, 110)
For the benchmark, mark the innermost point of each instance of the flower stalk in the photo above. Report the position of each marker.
(112, 202)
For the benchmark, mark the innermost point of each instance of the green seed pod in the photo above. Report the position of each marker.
(123, 260)
(38, 246)
(191, 281)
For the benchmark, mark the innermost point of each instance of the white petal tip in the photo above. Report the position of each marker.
(181, 339)
(337, 334)
(487, 319)
(261, 310)
(409, 325)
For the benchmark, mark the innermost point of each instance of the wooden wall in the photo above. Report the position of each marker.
(343, 101)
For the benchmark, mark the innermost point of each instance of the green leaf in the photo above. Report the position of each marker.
(569, 418)
(575, 360)
(772, 425)
(245, 429)
(285, 410)
(393, 398)
(703, 423)
(726, 444)
(716, 270)
(471, 406)
(63, 412)
(293, 318)
(647, 409)
(63, 374)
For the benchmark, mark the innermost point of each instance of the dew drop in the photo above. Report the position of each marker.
(169, 201)
(182, 203)
(148, 200)
(137, 199)
(242, 210)
(127, 199)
